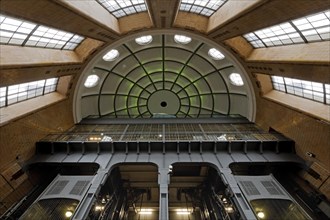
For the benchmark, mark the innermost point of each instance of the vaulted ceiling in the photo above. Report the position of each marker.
(164, 77)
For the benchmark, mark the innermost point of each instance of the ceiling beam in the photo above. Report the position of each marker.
(27, 74)
(163, 12)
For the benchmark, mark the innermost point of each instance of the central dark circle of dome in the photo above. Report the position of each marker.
(163, 104)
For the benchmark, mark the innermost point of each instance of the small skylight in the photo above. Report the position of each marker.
(24, 33)
(181, 39)
(202, 7)
(303, 30)
(216, 54)
(20, 92)
(144, 40)
(121, 8)
(111, 55)
(310, 90)
(236, 79)
(91, 81)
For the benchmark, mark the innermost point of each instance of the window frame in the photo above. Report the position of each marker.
(202, 7)
(282, 84)
(25, 88)
(292, 32)
(19, 32)
(118, 11)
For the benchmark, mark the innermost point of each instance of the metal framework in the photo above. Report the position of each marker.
(165, 132)
(15, 31)
(239, 142)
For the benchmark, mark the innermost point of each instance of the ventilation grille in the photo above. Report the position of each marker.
(57, 187)
(249, 188)
(79, 187)
(272, 188)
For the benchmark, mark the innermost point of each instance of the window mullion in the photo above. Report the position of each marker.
(43, 90)
(286, 90)
(324, 94)
(298, 31)
(255, 34)
(69, 41)
(30, 34)
(6, 96)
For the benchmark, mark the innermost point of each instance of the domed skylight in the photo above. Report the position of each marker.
(164, 79)
(144, 40)
(111, 55)
(91, 81)
(181, 39)
(236, 79)
(215, 54)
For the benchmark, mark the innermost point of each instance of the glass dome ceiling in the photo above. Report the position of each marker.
(163, 78)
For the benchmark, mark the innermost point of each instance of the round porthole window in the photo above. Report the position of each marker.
(236, 79)
(111, 55)
(181, 39)
(144, 40)
(216, 54)
(91, 81)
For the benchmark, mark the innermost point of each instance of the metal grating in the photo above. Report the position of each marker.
(272, 188)
(57, 187)
(165, 132)
(79, 187)
(249, 188)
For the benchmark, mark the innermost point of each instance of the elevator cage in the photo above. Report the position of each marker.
(60, 199)
(268, 199)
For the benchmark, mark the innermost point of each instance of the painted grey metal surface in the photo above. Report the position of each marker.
(219, 160)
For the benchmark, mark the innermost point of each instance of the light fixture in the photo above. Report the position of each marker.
(68, 214)
(99, 208)
(183, 211)
(181, 39)
(111, 55)
(144, 40)
(215, 54)
(236, 79)
(145, 211)
(229, 209)
(261, 214)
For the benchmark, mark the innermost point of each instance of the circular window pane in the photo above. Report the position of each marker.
(181, 39)
(91, 81)
(144, 40)
(111, 55)
(236, 79)
(215, 54)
